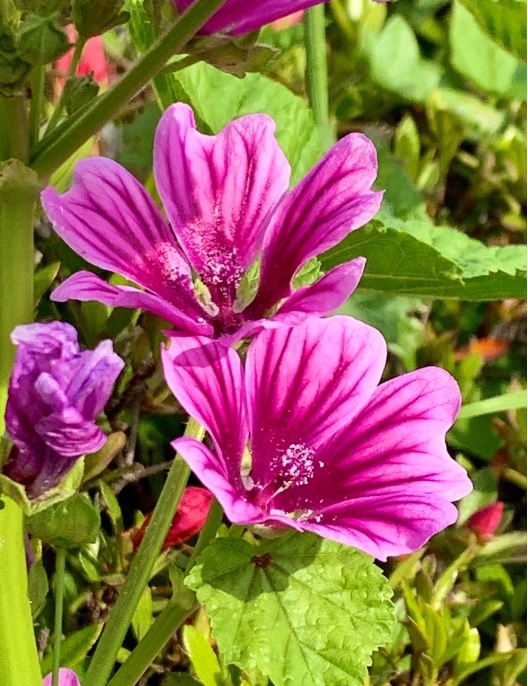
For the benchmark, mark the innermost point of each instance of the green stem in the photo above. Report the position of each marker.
(18, 127)
(316, 71)
(35, 112)
(18, 195)
(172, 616)
(60, 568)
(137, 578)
(76, 58)
(105, 107)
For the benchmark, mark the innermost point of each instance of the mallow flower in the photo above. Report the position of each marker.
(228, 208)
(304, 437)
(67, 677)
(236, 17)
(55, 393)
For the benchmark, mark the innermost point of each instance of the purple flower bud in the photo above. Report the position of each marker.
(55, 394)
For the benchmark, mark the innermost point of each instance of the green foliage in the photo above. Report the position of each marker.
(481, 60)
(417, 258)
(504, 21)
(297, 608)
(72, 523)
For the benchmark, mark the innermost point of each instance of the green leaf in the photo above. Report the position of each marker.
(500, 403)
(481, 60)
(298, 608)
(142, 619)
(418, 258)
(396, 64)
(41, 40)
(43, 279)
(95, 463)
(38, 587)
(71, 524)
(504, 21)
(74, 648)
(202, 656)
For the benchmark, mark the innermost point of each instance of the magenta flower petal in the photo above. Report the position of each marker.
(55, 394)
(306, 383)
(86, 286)
(324, 296)
(330, 451)
(218, 191)
(330, 202)
(237, 16)
(207, 379)
(214, 476)
(227, 202)
(110, 220)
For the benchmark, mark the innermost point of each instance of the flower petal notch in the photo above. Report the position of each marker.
(229, 213)
(328, 450)
(56, 392)
(236, 17)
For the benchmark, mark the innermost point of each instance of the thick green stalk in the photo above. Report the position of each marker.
(60, 568)
(18, 195)
(105, 107)
(316, 71)
(18, 127)
(172, 616)
(137, 578)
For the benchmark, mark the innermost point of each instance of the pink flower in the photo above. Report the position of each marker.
(240, 16)
(484, 522)
(189, 518)
(227, 203)
(330, 450)
(66, 678)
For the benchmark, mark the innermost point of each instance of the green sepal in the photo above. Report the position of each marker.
(41, 40)
(72, 523)
(66, 489)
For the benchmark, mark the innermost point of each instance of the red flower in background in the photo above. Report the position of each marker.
(484, 522)
(93, 61)
(188, 520)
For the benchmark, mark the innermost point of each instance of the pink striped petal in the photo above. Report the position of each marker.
(218, 191)
(86, 286)
(330, 202)
(110, 220)
(213, 474)
(306, 383)
(324, 296)
(207, 379)
(390, 480)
